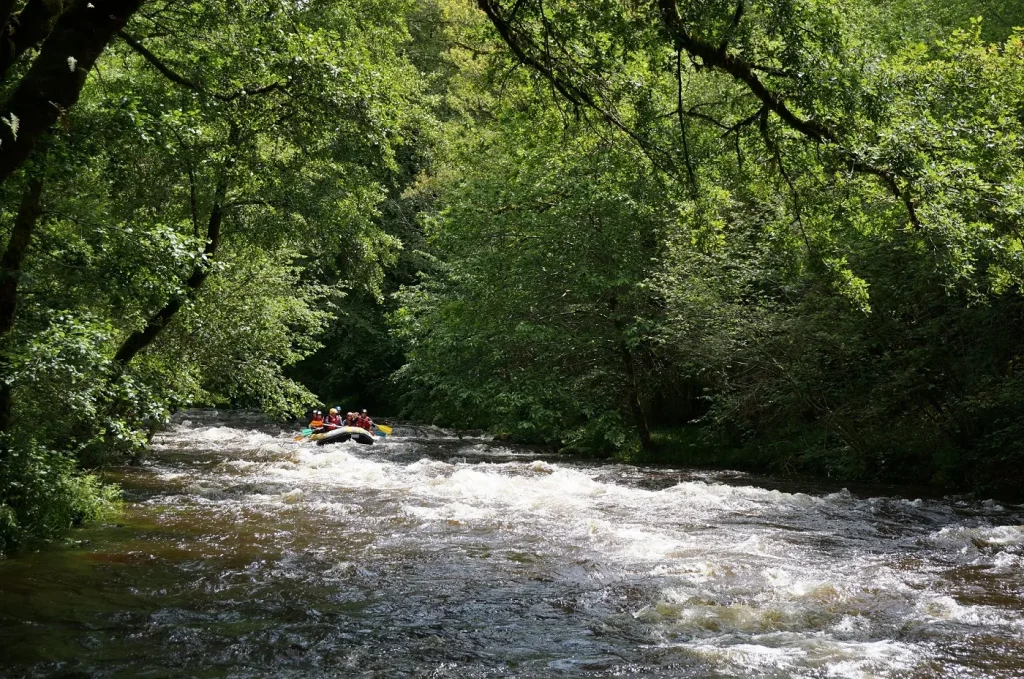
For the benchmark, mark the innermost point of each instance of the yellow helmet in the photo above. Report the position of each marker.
(333, 411)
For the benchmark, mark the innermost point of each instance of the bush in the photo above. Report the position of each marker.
(43, 494)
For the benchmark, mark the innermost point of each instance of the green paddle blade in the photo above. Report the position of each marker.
(307, 432)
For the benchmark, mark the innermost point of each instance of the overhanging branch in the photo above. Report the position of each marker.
(576, 95)
(159, 65)
(743, 71)
(192, 85)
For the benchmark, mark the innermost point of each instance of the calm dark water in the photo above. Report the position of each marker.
(245, 554)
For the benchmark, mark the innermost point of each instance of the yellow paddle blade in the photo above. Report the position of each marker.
(384, 428)
(299, 437)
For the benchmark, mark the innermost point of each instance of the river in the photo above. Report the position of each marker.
(243, 553)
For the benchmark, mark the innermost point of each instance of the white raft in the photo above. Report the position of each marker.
(342, 434)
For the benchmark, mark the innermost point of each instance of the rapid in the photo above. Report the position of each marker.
(243, 553)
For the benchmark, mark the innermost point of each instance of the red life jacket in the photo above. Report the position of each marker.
(334, 419)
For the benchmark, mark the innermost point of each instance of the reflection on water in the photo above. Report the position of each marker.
(244, 553)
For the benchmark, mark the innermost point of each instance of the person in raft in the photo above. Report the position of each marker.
(363, 421)
(333, 419)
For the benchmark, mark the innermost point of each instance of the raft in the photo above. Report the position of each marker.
(341, 434)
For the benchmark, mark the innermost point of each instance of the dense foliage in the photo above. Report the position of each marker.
(783, 233)
(217, 153)
(794, 225)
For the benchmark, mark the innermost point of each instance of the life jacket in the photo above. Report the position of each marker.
(364, 422)
(334, 419)
(350, 420)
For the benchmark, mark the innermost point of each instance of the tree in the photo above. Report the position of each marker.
(217, 153)
(73, 37)
(541, 321)
(843, 206)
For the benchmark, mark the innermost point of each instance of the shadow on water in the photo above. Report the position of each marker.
(243, 553)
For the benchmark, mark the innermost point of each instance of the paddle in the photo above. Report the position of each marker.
(384, 428)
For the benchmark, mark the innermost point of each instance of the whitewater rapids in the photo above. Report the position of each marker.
(245, 553)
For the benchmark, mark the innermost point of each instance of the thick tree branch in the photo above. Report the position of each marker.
(14, 255)
(27, 29)
(575, 95)
(716, 57)
(710, 56)
(159, 65)
(56, 77)
(10, 272)
(140, 339)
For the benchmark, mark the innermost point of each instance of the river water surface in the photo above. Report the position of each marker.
(243, 553)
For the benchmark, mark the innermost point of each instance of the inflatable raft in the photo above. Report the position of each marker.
(342, 434)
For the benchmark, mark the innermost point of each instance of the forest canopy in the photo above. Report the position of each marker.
(783, 235)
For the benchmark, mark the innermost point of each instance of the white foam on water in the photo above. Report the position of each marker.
(1005, 562)
(458, 512)
(219, 439)
(746, 657)
(946, 608)
(865, 660)
(801, 656)
(755, 581)
(710, 496)
(241, 465)
(967, 537)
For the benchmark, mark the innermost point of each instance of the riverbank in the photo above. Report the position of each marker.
(689, 446)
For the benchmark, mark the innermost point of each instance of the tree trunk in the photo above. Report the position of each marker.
(6, 7)
(27, 29)
(56, 77)
(10, 263)
(10, 271)
(633, 397)
(636, 409)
